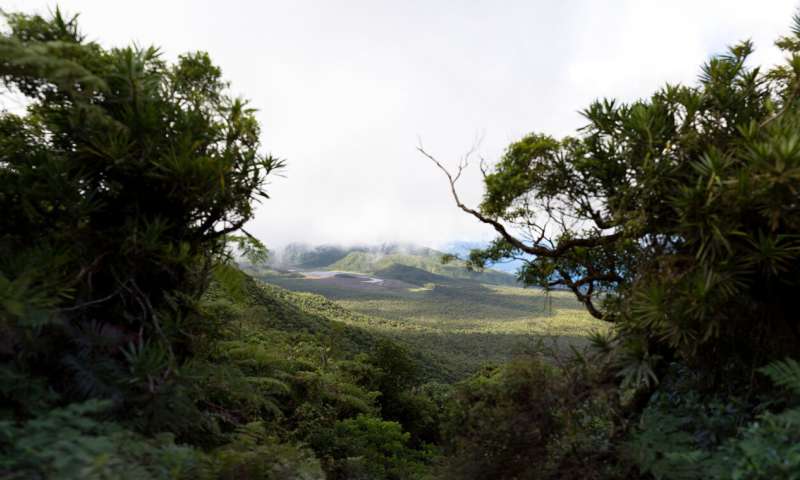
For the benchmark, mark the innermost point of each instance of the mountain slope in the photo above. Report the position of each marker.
(370, 259)
(373, 263)
(412, 275)
(298, 255)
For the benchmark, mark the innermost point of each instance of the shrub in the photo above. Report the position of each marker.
(68, 443)
(682, 435)
(254, 454)
(370, 448)
(528, 419)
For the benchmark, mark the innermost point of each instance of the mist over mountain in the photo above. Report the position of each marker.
(383, 258)
(306, 256)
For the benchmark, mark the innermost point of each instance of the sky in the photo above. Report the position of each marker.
(347, 90)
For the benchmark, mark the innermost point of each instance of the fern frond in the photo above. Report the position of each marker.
(784, 373)
(270, 385)
(92, 378)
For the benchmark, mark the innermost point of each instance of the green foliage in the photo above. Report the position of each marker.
(370, 448)
(68, 443)
(396, 370)
(784, 373)
(664, 450)
(254, 454)
(120, 186)
(123, 185)
(249, 248)
(768, 449)
(276, 364)
(684, 435)
(131, 346)
(528, 419)
(770, 446)
(397, 377)
(674, 216)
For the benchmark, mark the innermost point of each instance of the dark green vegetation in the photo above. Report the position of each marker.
(284, 392)
(677, 220)
(132, 347)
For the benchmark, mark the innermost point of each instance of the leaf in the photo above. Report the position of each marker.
(785, 373)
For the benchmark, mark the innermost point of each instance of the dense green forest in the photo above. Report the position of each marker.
(133, 346)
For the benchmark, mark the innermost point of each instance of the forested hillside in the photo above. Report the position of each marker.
(663, 238)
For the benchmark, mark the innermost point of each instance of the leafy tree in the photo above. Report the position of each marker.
(528, 419)
(120, 185)
(124, 187)
(371, 448)
(675, 216)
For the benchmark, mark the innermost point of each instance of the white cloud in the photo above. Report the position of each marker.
(345, 88)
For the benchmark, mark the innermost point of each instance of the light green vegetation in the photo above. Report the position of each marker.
(463, 324)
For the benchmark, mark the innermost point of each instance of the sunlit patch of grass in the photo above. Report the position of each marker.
(425, 288)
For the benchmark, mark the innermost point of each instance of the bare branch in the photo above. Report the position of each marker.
(83, 305)
(786, 104)
(558, 250)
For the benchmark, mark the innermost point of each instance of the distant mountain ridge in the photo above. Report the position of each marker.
(302, 255)
(380, 259)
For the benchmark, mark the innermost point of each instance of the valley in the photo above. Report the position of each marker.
(463, 319)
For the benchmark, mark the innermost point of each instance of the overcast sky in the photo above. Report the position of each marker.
(346, 88)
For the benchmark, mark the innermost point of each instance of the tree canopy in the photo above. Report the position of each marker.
(120, 185)
(675, 216)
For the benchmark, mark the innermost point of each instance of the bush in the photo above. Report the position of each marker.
(682, 435)
(528, 419)
(254, 454)
(369, 448)
(68, 443)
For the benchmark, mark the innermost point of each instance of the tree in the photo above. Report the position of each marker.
(119, 186)
(676, 217)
